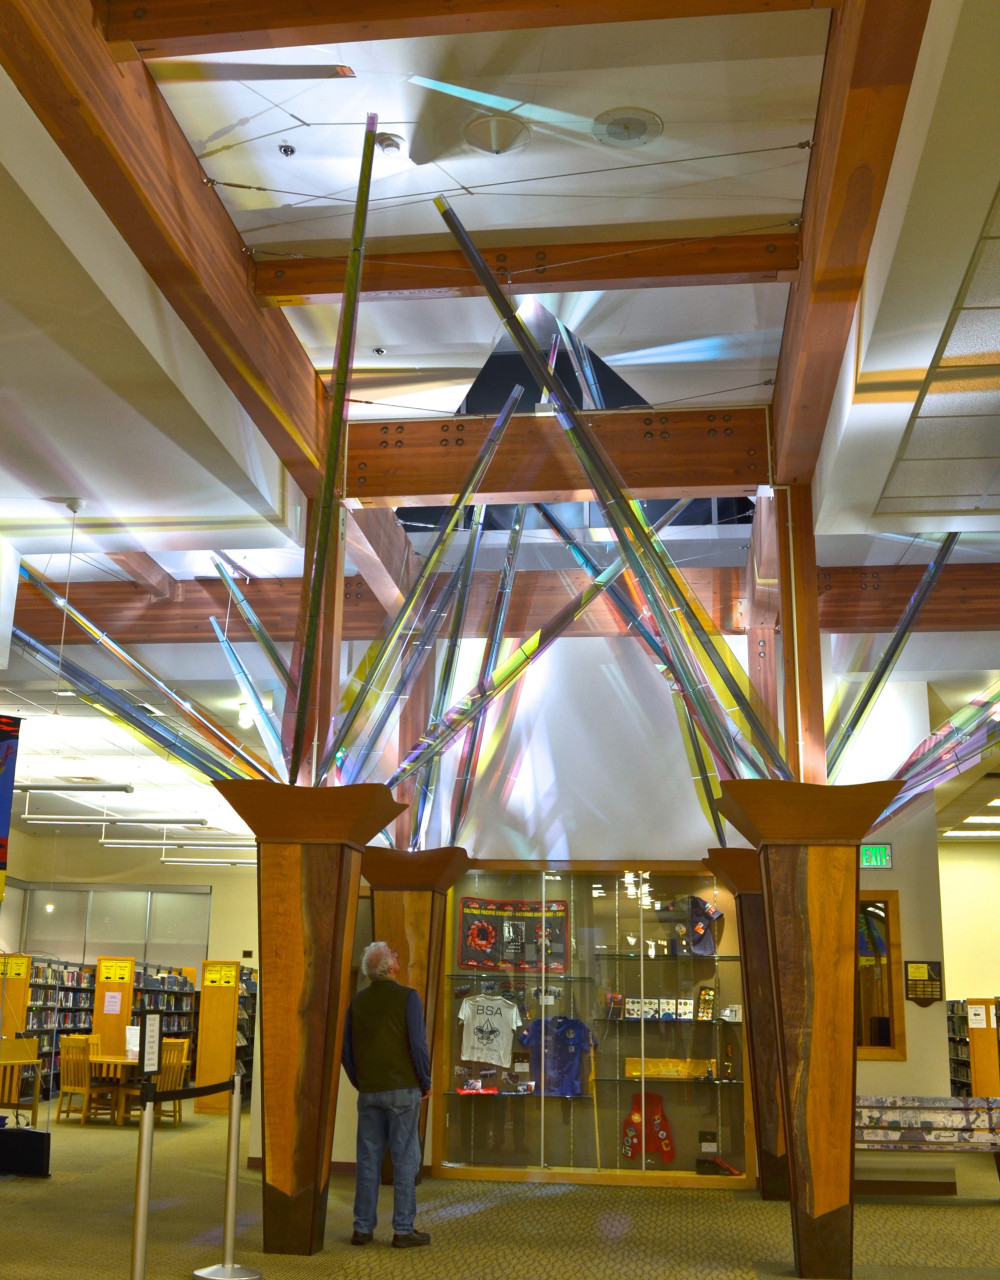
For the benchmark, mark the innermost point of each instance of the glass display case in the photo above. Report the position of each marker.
(593, 1026)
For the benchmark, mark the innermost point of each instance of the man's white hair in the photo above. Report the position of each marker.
(376, 959)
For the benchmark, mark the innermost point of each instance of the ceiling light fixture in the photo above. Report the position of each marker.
(114, 820)
(176, 844)
(496, 135)
(208, 862)
(74, 786)
(627, 127)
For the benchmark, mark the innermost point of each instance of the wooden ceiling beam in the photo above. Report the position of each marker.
(382, 553)
(112, 124)
(144, 570)
(757, 258)
(854, 599)
(172, 28)
(871, 55)
(659, 453)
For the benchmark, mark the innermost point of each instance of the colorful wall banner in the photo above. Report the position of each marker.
(10, 728)
(512, 935)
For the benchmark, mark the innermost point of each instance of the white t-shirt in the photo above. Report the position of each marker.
(488, 1024)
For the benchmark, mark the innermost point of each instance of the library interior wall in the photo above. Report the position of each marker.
(52, 859)
(970, 903)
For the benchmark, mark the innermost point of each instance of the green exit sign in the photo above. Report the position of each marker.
(876, 855)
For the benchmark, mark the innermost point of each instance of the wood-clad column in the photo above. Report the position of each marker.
(409, 901)
(805, 737)
(310, 843)
(763, 606)
(739, 871)
(808, 839)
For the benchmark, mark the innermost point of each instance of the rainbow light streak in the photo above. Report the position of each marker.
(658, 578)
(262, 719)
(246, 761)
(463, 712)
(956, 745)
(419, 643)
(254, 624)
(426, 785)
(392, 641)
(471, 748)
(700, 767)
(121, 708)
(297, 714)
(758, 345)
(887, 660)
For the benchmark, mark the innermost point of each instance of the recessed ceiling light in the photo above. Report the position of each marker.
(65, 693)
(496, 135)
(627, 127)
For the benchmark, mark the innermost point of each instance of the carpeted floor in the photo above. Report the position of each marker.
(78, 1223)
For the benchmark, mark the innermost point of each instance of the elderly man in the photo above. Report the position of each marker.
(387, 1060)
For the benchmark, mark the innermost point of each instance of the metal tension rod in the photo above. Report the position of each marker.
(633, 533)
(335, 448)
(890, 654)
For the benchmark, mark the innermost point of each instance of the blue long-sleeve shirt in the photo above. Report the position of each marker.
(376, 1039)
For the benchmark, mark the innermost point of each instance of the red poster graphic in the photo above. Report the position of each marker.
(512, 934)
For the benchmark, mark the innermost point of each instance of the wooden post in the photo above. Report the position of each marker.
(409, 902)
(805, 736)
(218, 1009)
(808, 839)
(309, 848)
(739, 871)
(113, 1001)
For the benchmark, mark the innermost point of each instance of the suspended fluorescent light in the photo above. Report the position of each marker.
(972, 833)
(209, 862)
(74, 786)
(173, 844)
(107, 820)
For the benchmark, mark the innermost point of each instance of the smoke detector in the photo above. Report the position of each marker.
(627, 127)
(497, 135)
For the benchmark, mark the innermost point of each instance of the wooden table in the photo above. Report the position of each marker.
(116, 1068)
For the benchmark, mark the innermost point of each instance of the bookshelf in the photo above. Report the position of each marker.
(61, 998)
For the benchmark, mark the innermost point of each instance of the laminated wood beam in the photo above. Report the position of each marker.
(805, 738)
(870, 60)
(169, 28)
(142, 568)
(113, 126)
(660, 453)
(860, 600)
(559, 268)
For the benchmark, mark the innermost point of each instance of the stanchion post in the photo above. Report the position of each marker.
(229, 1270)
(144, 1164)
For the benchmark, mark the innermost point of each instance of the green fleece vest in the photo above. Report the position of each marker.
(381, 1042)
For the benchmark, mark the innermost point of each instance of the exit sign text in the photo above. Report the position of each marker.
(876, 855)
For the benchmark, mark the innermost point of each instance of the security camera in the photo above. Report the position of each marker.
(286, 148)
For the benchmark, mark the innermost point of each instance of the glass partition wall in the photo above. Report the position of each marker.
(593, 1024)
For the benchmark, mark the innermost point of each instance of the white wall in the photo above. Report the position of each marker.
(970, 906)
(914, 874)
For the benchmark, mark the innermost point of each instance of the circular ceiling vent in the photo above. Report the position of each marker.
(627, 127)
(497, 135)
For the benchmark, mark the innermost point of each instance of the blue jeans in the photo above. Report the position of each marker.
(387, 1120)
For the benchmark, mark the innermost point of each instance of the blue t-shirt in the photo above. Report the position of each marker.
(567, 1040)
(702, 915)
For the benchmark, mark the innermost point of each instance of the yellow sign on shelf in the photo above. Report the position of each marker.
(14, 966)
(115, 971)
(220, 975)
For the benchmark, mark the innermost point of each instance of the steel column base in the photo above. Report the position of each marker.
(223, 1271)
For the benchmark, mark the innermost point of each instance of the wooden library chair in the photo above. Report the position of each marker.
(18, 1058)
(173, 1073)
(75, 1077)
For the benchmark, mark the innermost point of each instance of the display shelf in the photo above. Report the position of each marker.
(61, 999)
(574, 1039)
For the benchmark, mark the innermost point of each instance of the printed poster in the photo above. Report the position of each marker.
(508, 934)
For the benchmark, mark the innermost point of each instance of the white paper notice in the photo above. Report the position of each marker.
(977, 1015)
(113, 1002)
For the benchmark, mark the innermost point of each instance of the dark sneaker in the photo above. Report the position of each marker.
(411, 1241)
(361, 1237)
